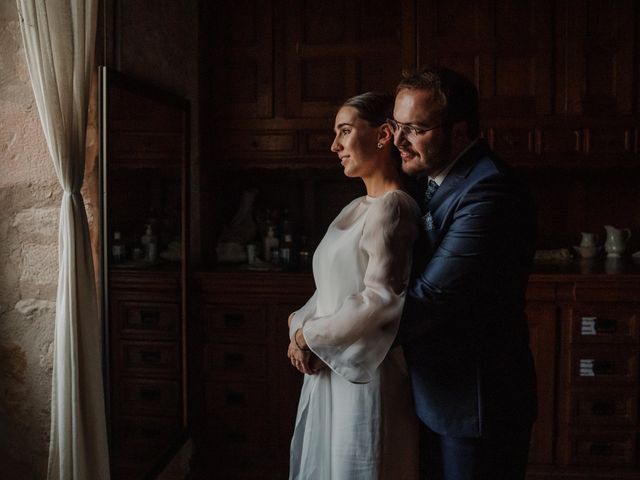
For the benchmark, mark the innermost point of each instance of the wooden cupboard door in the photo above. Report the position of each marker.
(239, 57)
(334, 50)
(542, 330)
(595, 73)
(504, 46)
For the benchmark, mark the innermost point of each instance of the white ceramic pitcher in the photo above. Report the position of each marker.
(616, 242)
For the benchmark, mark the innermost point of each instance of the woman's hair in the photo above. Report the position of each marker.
(452, 91)
(374, 107)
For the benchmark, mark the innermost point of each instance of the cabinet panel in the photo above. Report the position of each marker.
(504, 46)
(595, 73)
(542, 320)
(149, 397)
(236, 362)
(239, 57)
(334, 50)
(146, 319)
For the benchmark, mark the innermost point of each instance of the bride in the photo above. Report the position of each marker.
(355, 417)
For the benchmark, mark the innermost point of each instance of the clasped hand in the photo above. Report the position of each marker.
(303, 360)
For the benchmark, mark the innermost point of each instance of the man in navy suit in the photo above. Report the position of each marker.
(464, 329)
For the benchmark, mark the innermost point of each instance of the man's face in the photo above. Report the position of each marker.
(424, 150)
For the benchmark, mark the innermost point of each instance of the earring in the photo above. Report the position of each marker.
(380, 145)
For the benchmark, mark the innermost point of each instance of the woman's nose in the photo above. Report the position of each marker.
(335, 146)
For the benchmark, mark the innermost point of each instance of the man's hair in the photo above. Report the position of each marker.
(452, 91)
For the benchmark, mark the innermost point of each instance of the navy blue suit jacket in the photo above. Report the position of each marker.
(464, 329)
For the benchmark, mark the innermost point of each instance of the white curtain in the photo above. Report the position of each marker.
(59, 40)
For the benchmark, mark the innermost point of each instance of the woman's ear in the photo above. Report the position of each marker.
(384, 134)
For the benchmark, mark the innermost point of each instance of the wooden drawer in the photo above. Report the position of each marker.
(236, 362)
(606, 448)
(148, 319)
(241, 143)
(239, 436)
(149, 358)
(140, 439)
(604, 407)
(604, 323)
(603, 365)
(149, 397)
(236, 397)
(235, 323)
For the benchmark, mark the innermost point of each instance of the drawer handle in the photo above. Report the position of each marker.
(235, 398)
(604, 367)
(149, 318)
(151, 432)
(233, 360)
(602, 408)
(601, 449)
(595, 326)
(233, 320)
(150, 356)
(150, 394)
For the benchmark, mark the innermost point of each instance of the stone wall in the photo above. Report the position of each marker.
(30, 197)
(29, 209)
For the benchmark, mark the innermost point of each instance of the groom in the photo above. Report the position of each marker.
(464, 329)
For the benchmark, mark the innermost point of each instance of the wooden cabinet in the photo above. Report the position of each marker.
(584, 335)
(245, 408)
(588, 389)
(144, 187)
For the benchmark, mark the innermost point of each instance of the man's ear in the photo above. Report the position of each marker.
(460, 132)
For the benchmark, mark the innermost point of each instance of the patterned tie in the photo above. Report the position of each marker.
(431, 191)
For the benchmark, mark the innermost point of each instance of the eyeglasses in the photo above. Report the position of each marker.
(410, 130)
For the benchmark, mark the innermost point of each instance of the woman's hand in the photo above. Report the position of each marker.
(299, 358)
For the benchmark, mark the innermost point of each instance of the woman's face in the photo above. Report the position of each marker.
(355, 143)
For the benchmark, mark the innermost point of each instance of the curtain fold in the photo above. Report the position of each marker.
(59, 41)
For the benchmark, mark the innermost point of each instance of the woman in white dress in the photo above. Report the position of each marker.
(356, 417)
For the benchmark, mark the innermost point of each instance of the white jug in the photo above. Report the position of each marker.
(616, 242)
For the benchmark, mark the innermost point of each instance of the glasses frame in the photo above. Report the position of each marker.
(408, 129)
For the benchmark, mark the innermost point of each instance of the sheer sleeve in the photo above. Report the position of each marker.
(303, 314)
(355, 339)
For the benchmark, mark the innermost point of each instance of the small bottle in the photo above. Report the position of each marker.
(286, 250)
(270, 242)
(118, 249)
(304, 254)
(150, 245)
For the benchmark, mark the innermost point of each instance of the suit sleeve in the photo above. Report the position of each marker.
(355, 339)
(470, 259)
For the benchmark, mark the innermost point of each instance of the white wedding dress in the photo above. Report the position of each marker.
(356, 418)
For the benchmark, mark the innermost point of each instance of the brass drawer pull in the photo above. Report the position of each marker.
(601, 449)
(233, 320)
(150, 356)
(603, 408)
(149, 318)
